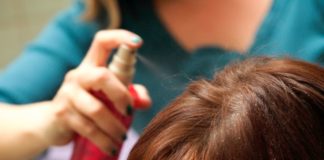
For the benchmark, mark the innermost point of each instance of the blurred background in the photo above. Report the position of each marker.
(21, 21)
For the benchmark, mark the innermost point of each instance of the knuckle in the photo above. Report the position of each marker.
(71, 75)
(123, 96)
(102, 75)
(62, 114)
(89, 129)
(96, 110)
(66, 90)
(69, 89)
(99, 34)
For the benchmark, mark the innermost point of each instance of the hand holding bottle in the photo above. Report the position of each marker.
(80, 111)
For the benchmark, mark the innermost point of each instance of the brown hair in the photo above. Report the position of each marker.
(94, 8)
(261, 108)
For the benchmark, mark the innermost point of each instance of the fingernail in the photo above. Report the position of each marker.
(114, 152)
(136, 39)
(134, 94)
(129, 110)
(124, 137)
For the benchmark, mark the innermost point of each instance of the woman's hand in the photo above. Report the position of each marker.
(26, 130)
(76, 110)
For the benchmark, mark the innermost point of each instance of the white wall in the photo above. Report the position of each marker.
(21, 20)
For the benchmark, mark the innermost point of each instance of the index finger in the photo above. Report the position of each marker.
(107, 40)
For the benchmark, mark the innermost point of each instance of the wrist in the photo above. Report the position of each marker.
(22, 131)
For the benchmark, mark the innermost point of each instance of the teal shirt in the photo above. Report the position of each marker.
(291, 28)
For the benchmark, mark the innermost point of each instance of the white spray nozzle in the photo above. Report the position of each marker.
(123, 64)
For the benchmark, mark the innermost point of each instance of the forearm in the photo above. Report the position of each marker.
(23, 130)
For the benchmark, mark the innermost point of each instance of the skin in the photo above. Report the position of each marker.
(29, 129)
(230, 24)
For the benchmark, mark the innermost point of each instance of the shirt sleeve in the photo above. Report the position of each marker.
(40, 69)
(320, 7)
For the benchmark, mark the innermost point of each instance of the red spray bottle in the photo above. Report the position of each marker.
(122, 66)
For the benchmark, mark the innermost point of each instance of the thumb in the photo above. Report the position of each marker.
(140, 96)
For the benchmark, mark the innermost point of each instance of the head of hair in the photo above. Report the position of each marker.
(97, 10)
(261, 108)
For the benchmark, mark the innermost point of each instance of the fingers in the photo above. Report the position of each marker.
(87, 129)
(89, 106)
(107, 40)
(89, 116)
(140, 96)
(82, 111)
(102, 79)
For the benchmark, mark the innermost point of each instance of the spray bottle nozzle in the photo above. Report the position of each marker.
(123, 64)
